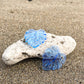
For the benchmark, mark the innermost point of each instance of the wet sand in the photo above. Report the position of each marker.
(61, 17)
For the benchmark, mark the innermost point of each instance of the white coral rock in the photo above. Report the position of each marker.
(20, 50)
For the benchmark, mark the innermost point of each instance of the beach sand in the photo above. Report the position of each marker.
(61, 17)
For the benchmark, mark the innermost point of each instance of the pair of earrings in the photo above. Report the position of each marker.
(52, 58)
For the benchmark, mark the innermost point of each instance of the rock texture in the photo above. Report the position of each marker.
(20, 50)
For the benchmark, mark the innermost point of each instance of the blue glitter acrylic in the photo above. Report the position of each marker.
(35, 38)
(53, 59)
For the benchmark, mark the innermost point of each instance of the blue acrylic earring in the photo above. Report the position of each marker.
(35, 38)
(53, 59)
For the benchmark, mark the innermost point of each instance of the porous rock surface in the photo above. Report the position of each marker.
(20, 50)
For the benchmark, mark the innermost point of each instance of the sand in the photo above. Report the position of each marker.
(61, 17)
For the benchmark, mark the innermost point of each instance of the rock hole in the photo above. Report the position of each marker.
(53, 36)
(24, 53)
(62, 42)
(38, 54)
(24, 40)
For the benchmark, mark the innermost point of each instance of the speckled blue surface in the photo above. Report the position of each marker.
(53, 59)
(35, 38)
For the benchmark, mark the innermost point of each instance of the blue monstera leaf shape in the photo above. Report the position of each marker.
(53, 59)
(35, 38)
